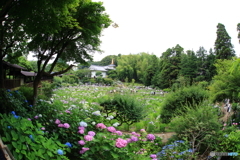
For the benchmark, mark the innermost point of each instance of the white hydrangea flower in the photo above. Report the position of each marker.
(97, 113)
(116, 124)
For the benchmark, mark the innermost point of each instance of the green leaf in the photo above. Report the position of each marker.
(15, 145)
(9, 139)
(50, 154)
(14, 135)
(115, 156)
(105, 147)
(23, 152)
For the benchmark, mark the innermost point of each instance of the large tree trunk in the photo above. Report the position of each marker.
(36, 82)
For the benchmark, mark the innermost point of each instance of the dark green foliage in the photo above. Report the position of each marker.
(126, 108)
(112, 74)
(13, 101)
(46, 90)
(27, 92)
(26, 141)
(188, 96)
(108, 60)
(198, 125)
(188, 66)
(223, 47)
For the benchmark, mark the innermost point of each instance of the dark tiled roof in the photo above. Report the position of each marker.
(30, 74)
(13, 65)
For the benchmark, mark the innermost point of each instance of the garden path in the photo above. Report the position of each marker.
(164, 135)
(226, 115)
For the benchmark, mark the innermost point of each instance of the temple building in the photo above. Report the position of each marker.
(103, 69)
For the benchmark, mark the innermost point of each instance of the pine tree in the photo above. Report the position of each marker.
(223, 47)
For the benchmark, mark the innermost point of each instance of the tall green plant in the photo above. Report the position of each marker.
(198, 125)
(125, 107)
(183, 97)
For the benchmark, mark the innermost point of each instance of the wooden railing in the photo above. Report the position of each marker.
(11, 83)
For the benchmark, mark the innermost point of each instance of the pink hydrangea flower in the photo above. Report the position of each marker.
(150, 137)
(57, 121)
(101, 126)
(81, 128)
(111, 129)
(29, 119)
(91, 133)
(88, 138)
(134, 139)
(120, 143)
(142, 130)
(36, 117)
(83, 150)
(66, 125)
(119, 133)
(67, 111)
(81, 131)
(43, 128)
(153, 156)
(60, 125)
(81, 142)
(129, 140)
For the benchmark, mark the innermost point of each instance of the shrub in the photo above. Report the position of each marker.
(27, 141)
(27, 92)
(46, 90)
(13, 101)
(198, 125)
(188, 96)
(125, 107)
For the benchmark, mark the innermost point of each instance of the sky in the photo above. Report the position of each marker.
(153, 26)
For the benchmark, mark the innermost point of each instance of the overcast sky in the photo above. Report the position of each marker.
(153, 26)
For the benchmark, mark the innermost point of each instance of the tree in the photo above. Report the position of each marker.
(70, 43)
(223, 47)
(20, 20)
(169, 67)
(108, 60)
(225, 83)
(188, 66)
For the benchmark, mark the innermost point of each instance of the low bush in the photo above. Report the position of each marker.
(188, 96)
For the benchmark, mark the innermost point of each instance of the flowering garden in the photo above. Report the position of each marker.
(74, 125)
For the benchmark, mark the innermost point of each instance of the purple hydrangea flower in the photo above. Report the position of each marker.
(150, 137)
(91, 133)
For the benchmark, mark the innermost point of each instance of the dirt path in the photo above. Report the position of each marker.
(164, 135)
(226, 114)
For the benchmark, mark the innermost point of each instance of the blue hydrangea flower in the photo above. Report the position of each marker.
(26, 101)
(8, 127)
(8, 90)
(60, 152)
(226, 135)
(68, 144)
(30, 105)
(13, 113)
(10, 94)
(15, 116)
(30, 136)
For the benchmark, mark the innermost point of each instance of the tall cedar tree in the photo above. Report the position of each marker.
(223, 47)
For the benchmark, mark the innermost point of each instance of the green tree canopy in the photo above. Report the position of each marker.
(223, 47)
